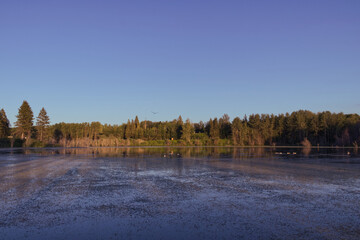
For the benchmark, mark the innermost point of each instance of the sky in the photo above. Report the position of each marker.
(109, 60)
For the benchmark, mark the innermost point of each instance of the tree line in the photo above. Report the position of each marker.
(290, 129)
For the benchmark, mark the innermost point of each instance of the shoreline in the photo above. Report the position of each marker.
(166, 146)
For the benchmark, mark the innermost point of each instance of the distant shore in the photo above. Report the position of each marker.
(174, 146)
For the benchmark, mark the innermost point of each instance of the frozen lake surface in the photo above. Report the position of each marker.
(179, 193)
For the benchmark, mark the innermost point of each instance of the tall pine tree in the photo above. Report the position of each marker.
(4, 125)
(179, 127)
(24, 121)
(42, 123)
(236, 131)
(128, 130)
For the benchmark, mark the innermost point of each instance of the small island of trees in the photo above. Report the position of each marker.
(290, 129)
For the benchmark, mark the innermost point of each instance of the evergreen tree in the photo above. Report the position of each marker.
(4, 125)
(199, 127)
(236, 131)
(179, 127)
(254, 121)
(137, 128)
(225, 127)
(245, 132)
(314, 128)
(214, 129)
(172, 129)
(323, 128)
(187, 131)
(24, 121)
(137, 123)
(128, 130)
(42, 122)
(96, 129)
(132, 129)
(324, 119)
(280, 128)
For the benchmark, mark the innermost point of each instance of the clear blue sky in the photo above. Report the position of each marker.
(108, 61)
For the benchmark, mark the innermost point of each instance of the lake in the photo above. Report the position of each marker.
(180, 193)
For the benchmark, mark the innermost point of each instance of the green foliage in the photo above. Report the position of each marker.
(24, 121)
(187, 131)
(225, 127)
(5, 143)
(37, 144)
(283, 129)
(238, 132)
(323, 128)
(42, 123)
(128, 130)
(179, 127)
(214, 129)
(4, 125)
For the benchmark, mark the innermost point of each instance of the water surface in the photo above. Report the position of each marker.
(179, 193)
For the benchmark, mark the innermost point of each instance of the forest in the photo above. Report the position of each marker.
(290, 129)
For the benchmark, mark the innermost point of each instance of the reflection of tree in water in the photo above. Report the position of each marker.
(234, 153)
(252, 152)
(258, 151)
(306, 151)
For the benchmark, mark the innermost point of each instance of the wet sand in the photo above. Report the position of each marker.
(179, 193)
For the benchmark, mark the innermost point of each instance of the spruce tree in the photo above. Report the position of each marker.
(179, 127)
(24, 121)
(236, 131)
(132, 129)
(42, 123)
(225, 127)
(137, 128)
(137, 123)
(4, 125)
(96, 129)
(128, 130)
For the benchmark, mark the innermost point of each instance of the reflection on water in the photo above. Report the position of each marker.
(195, 192)
(187, 152)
